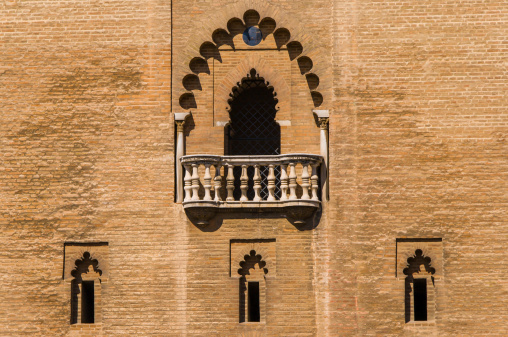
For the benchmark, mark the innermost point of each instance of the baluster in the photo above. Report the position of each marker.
(271, 182)
(230, 183)
(188, 182)
(195, 182)
(305, 181)
(244, 183)
(207, 182)
(284, 182)
(314, 179)
(292, 181)
(257, 183)
(217, 182)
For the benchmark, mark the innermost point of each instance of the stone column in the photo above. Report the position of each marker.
(323, 119)
(180, 151)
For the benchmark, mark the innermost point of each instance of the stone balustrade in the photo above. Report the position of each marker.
(263, 183)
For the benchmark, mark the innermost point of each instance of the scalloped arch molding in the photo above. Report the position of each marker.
(224, 37)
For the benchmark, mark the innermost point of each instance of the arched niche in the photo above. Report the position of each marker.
(269, 73)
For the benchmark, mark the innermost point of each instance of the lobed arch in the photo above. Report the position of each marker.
(198, 63)
(218, 18)
(250, 261)
(82, 266)
(85, 290)
(415, 261)
(262, 250)
(223, 89)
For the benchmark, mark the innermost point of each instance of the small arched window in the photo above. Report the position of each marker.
(86, 291)
(252, 288)
(419, 288)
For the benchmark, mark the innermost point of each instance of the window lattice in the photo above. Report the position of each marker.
(252, 130)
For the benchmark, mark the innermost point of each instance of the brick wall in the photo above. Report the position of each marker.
(417, 150)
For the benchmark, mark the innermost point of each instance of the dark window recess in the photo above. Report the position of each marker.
(420, 299)
(253, 310)
(253, 131)
(87, 302)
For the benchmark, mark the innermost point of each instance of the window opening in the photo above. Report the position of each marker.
(254, 314)
(420, 299)
(87, 302)
(419, 273)
(252, 287)
(252, 130)
(85, 274)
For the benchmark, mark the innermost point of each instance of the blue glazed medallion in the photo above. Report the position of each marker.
(252, 36)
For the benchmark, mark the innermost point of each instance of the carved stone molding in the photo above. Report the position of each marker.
(299, 213)
(200, 213)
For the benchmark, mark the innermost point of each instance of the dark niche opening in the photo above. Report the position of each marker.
(416, 264)
(253, 301)
(87, 302)
(252, 130)
(420, 299)
(87, 293)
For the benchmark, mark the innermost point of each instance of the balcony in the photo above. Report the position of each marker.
(287, 184)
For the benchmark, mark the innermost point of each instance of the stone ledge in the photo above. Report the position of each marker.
(201, 211)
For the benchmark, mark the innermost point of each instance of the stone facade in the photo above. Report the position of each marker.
(417, 162)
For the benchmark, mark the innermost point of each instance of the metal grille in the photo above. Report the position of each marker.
(253, 130)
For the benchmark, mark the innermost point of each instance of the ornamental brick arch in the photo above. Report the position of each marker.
(214, 19)
(264, 249)
(265, 70)
(198, 65)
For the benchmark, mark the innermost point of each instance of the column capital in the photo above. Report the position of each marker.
(180, 118)
(323, 118)
(323, 123)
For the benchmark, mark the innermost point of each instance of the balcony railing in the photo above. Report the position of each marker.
(289, 183)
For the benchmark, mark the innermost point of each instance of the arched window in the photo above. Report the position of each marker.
(252, 130)
(86, 291)
(419, 288)
(252, 288)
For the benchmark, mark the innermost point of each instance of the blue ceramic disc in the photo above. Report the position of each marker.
(252, 36)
